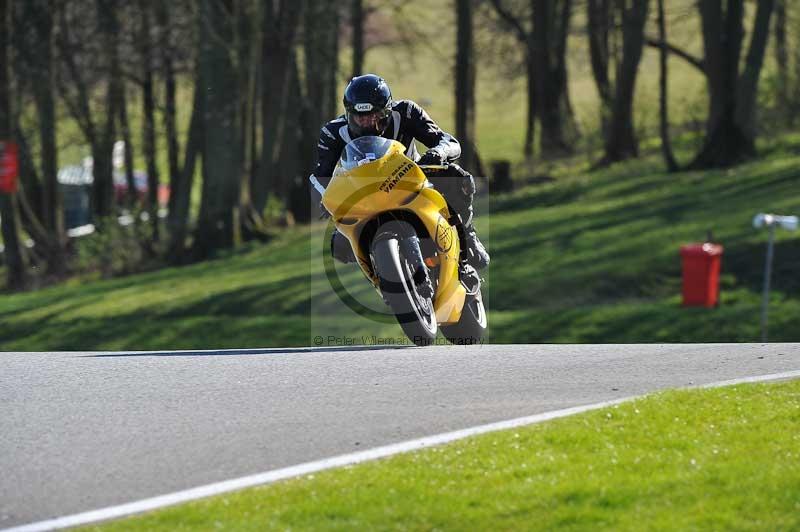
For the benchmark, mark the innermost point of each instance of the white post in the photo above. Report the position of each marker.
(771, 221)
(767, 276)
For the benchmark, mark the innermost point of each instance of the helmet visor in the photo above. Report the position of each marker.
(369, 123)
(368, 120)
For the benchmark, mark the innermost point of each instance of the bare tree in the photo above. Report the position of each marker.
(666, 146)
(786, 100)
(550, 30)
(730, 131)
(357, 27)
(321, 25)
(89, 59)
(148, 108)
(168, 42)
(617, 93)
(181, 187)
(544, 42)
(216, 224)
(36, 51)
(781, 54)
(131, 196)
(280, 23)
(465, 83)
(9, 223)
(599, 27)
(249, 50)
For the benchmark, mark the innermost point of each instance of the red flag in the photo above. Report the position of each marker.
(9, 167)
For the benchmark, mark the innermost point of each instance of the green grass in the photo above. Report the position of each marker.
(591, 257)
(721, 459)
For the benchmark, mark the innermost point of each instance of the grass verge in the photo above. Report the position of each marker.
(720, 459)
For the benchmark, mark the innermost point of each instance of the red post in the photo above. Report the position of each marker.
(701, 266)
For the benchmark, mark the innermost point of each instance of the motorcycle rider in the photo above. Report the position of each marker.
(370, 110)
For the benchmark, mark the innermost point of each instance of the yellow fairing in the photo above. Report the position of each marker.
(395, 182)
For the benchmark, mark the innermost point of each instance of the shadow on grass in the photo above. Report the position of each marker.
(735, 320)
(536, 196)
(746, 263)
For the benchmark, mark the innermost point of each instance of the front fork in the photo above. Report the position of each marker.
(411, 253)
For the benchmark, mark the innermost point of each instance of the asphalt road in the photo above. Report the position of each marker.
(80, 431)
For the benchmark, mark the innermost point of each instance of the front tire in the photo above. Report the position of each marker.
(399, 283)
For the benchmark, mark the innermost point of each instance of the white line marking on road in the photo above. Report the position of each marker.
(218, 488)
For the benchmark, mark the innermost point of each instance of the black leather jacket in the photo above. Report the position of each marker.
(408, 121)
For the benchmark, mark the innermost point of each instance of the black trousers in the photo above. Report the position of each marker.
(458, 188)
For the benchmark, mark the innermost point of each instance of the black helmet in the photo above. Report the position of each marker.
(368, 105)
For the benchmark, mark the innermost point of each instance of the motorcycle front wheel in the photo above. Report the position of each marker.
(400, 285)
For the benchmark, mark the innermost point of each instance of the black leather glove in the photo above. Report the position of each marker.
(431, 157)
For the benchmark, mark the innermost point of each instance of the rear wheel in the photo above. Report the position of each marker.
(405, 286)
(471, 327)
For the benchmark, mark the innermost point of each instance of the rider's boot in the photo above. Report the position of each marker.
(476, 254)
(341, 249)
(474, 251)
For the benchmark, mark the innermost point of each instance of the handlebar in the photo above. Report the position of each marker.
(432, 168)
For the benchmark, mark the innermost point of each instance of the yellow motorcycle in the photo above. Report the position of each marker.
(406, 241)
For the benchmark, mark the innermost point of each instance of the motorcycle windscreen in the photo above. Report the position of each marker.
(364, 150)
(373, 175)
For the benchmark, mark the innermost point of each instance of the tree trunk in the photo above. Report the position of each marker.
(598, 30)
(794, 89)
(164, 14)
(149, 123)
(181, 190)
(748, 81)
(320, 90)
(621, 141)
(321, 30)
(331, 102)
(465, 84)
(550, 33)
(666, 146)
(290, 161)
(103, 188)
(560, 70)
(357, 26)
(249, 59)
(221, 162)
(16, 277)
(730, 136)
(530, 94)
(321, 64)
(711, 18)
(132, 196)
(544, 42)
(43, 80)
(279, 30)
(782, 61)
